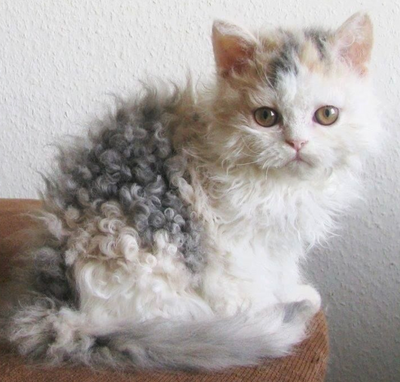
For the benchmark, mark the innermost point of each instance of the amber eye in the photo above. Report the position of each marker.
(327, 115)
(266, 117)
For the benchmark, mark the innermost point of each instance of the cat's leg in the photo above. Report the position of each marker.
(135, 294)
(291, 287)
(280, 319)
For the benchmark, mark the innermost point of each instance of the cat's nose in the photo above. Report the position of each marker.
(296, 144)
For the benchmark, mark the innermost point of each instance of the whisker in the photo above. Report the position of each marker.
(248, 147)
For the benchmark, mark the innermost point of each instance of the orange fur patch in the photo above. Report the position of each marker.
(309, 57)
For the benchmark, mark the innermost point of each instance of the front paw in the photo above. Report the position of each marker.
(307, 292)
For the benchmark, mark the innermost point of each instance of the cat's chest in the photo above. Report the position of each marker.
(276, 223)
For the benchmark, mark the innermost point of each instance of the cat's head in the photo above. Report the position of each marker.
(294, 102)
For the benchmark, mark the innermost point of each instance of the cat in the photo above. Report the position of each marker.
(172, 237)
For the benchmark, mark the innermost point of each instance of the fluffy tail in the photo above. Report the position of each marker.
(51, 335)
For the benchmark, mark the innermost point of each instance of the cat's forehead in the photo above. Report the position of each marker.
(283, 52)
(296, 67)
(297, 71)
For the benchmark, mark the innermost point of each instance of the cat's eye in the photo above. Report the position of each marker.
(266, 117)
(327, 115)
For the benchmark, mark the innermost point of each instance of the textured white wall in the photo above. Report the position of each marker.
(60, 60)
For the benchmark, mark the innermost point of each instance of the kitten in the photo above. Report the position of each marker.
(172, 237)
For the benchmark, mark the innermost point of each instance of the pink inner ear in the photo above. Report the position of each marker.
(355, 40)
(359, 56)
(232, 52)
(235, 59)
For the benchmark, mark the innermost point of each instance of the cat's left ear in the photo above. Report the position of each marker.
(233, 47)
(353, 42)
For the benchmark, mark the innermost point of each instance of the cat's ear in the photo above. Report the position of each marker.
(233, 47)
(353, 42)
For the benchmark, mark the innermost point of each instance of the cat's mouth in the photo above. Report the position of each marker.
(297, 159)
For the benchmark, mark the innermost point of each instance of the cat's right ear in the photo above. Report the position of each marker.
(353, 42)
(233, 47)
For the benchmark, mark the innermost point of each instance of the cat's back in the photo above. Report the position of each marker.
(128, 170)
(128, 146)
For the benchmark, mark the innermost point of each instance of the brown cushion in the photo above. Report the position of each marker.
(307, 364)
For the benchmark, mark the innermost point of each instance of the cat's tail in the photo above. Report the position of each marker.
(45, 333)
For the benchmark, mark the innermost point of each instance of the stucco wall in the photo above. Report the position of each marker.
(61, 60)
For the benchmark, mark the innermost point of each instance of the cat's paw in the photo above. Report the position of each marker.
(306, 299)
(299, 311)
(307, 292)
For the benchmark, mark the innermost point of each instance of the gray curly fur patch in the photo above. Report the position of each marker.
(131, 161)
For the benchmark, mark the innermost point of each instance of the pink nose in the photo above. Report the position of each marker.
(296, 144)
